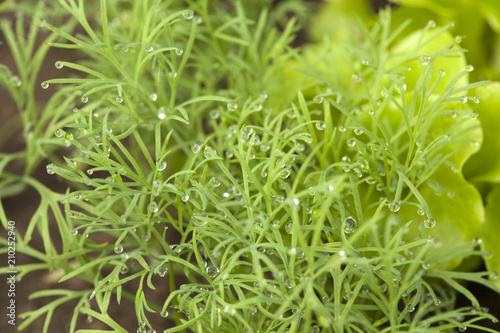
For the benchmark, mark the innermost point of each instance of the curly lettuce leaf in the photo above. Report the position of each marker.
(485, 165)
(491, 235)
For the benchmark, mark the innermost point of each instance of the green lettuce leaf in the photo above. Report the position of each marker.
(491, 235)
(485, 165)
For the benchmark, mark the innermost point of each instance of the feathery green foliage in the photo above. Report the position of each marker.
(272, 190)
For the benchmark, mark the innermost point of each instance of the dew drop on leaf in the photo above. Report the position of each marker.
(152, 207)
(320, 125)
(429, 222)
(162, 165)
(188, 15)
(196, 147)
(210, 152)
(58, 133)
(425, 60)
(350, 225)
(232, 106)
(394, 206)
(216, 182)
(318, 99)
(118, 249)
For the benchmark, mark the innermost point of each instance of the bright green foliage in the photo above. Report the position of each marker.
(476, 25)
(485, 165)
(491, 236)
(271, 189)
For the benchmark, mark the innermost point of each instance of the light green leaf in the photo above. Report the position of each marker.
(485, 165)
(491, 234)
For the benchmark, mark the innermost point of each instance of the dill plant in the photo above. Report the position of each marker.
(268, 200)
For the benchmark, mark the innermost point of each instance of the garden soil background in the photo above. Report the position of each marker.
(21, 208)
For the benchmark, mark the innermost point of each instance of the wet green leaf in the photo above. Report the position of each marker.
(491, 234)
(485, 165)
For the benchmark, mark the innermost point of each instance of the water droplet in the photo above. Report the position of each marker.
(318, 99)
(425, 60)
(153, 97)
(421, 211)
(118, 249)
(356, 78)
(453, 115)
(476, 99)
(58, 133)
(212, 271)
(429, 222)
(214, 115)
(232, 106)
(351, 142)
(68, 136)
(124, 49)
(320, 125)
(431, 24)
(347, 295)
(119, 100)
(441, 73)
(350, 225)
(50, 169)
(210, 152)
(410, 308)
(341, 128)
(152, 207)
(216, 182)
(358, 131)
(172, 74)
(493, 276)
(84, 99)
(188, 15)
(463, 99)
(394, 206)
(289, 227)
(426, 265)
(469, 68)
(285, 174)
(162, 166)
(199, 218)
(184, 198)
(58, 65)
(474, 115)
(384, 93)
(74, 232)
(382, 288)
(148, 48)
(45, 85)
(365, 62)
(462, 328)
(477, 240)
(179, 51)
(196, 147)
